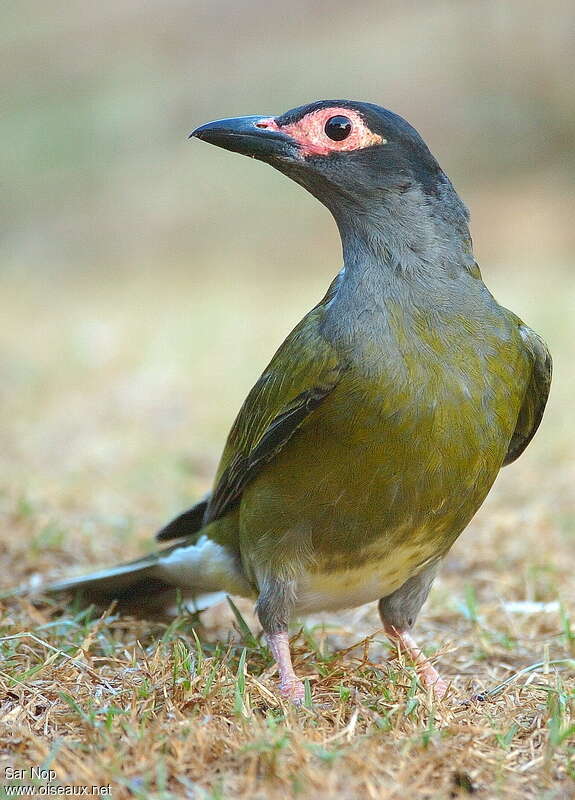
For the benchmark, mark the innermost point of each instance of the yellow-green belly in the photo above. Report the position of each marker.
(375, 485)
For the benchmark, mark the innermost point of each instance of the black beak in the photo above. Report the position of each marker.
(251, 136)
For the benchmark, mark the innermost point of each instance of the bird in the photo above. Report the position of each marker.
(377, 429)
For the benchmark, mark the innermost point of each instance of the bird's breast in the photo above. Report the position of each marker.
(389, 469)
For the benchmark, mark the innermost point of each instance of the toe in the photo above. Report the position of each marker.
(294, 691)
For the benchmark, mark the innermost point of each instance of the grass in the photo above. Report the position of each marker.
(109, 395)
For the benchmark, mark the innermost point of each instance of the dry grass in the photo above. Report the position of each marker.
(109, 394)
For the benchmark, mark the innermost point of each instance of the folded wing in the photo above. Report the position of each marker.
(535, 400)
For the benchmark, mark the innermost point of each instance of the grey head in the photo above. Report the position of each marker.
(390, 198)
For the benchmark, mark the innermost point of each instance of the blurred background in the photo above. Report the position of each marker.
(146, 279)
(98, 99)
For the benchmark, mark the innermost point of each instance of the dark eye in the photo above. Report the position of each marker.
(338, 128)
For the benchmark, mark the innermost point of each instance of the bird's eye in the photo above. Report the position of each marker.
(338, 128)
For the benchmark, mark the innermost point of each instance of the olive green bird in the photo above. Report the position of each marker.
(379, 426)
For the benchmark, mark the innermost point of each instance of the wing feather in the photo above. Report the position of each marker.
(535, 400)
(303, 372)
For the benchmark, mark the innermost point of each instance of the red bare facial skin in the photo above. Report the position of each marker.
(309, 132)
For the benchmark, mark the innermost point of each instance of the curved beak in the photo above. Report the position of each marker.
(258, 137)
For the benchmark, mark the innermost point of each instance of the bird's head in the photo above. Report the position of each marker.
(363, 162)
(334, 148)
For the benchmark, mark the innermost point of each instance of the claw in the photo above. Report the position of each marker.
(293, 690)
(428, 675)
(291, 687)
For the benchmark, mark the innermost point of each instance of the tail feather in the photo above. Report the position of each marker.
(185, 524)
(203, 571)
(123, 582)
(135, 586)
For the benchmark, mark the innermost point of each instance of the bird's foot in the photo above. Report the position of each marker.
(293, 689)
(428, 675)
(431, 679)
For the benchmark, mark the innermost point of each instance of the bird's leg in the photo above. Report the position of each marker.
(398, 612)
(428, 675)
(290, 685)
(275, 602)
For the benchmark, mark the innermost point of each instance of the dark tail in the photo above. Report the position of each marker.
(202, 569)
(185, 524)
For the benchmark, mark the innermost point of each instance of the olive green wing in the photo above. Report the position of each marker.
(303, 372)
(535, 400)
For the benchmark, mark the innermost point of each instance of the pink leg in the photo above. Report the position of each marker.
(429, 676)
(290, 685)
